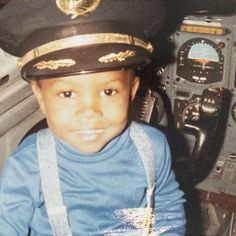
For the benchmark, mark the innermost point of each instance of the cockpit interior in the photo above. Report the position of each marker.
(189, 93)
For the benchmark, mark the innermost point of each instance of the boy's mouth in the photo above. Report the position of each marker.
(89, 131)
(89, 134)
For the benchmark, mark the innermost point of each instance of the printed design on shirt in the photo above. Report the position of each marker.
(139, 218)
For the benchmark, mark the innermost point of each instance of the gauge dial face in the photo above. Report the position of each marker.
(192, 110)
(200, 60)
(233, 112)
(187, 110)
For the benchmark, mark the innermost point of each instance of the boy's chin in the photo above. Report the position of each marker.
(89, 149)
(92, 145)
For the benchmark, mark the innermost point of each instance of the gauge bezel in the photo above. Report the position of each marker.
(186, 70)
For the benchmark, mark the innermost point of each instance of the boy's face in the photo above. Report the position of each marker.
(87, 111)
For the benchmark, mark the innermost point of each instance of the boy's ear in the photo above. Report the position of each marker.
(38, 94)
(135, 86)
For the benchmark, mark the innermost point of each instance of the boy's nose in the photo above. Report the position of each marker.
(89, 107)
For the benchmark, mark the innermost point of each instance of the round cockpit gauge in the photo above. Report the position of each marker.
(200, 60)
(192, 110)
(233, 112)
(187, 110)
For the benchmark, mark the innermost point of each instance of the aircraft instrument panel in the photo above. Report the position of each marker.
(205, 59)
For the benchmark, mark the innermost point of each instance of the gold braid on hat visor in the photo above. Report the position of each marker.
(83, 40)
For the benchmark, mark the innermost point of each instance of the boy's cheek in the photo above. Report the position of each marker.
(119, 115)
(41, 104)
(39, 97)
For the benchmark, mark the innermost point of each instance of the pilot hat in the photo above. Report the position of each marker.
(55, 38)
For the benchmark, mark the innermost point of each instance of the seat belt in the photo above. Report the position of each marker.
(49, 172)
(50, 182)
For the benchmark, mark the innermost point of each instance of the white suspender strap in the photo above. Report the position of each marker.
(145, 150)
(50, 181)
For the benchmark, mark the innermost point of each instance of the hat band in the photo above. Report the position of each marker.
(83, 40)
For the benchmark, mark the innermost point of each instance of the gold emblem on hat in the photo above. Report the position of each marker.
(77, 7)
(54, 65)
(121, 56)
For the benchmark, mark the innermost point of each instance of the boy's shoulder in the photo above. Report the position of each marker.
(156, 137)
(27, 146)
(153, 133)
(24, 156)
(27, 143)
(159, 144)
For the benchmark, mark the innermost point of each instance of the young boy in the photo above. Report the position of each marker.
(93, 172)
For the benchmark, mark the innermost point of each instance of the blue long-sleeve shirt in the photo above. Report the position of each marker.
(104, 192)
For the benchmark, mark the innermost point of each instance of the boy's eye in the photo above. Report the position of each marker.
(67, 94)
(109, 92)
